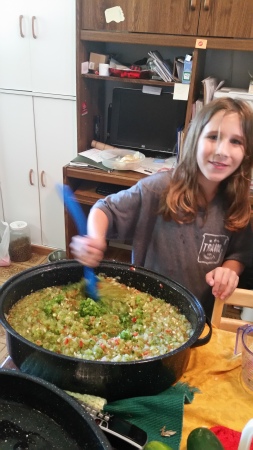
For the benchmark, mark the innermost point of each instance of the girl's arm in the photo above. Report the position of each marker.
(89, 250)
(225, 279)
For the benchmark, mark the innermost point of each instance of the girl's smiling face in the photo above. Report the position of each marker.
(220, 148)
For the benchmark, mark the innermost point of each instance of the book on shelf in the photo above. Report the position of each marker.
(197, 106)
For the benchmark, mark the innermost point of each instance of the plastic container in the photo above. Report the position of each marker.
(121, 159)
(247, 314)
(20, 241)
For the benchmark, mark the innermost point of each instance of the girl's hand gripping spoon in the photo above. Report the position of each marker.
(80, 220)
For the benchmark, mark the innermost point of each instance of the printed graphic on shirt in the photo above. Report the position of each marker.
(212, 248)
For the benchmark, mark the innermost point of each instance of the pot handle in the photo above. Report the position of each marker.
(205, 339)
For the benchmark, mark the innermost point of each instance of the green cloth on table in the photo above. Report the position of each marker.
(151, 413)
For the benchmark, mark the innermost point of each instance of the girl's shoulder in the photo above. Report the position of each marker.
(158, 181)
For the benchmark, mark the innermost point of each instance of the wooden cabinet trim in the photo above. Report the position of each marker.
(166, 40)
(124, 177)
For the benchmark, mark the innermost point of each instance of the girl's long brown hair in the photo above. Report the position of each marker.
(184, 196)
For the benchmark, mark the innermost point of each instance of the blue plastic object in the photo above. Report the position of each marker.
(80, 220)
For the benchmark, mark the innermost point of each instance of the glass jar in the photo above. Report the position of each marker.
(20, 241)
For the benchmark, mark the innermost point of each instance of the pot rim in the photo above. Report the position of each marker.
(48, 267)
(40, 382)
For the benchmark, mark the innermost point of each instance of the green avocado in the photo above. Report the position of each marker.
(157, 445)
(202, 438)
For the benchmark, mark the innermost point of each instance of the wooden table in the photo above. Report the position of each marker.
(216, 372)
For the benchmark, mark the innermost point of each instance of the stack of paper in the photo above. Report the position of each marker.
(162, 67)
(210, 86)
(90, 159)
(154, 165)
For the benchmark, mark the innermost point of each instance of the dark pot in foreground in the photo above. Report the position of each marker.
(37, 414)
(111, 380)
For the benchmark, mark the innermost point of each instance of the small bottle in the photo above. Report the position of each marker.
(20, 241)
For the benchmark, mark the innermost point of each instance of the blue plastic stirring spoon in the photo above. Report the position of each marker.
(80, 220)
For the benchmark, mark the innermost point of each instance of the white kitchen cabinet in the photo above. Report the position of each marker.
(1, 204)
(37, 138)
(37, 51)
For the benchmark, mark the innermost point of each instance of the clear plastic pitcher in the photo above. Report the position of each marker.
(246, 436)
(244, 344)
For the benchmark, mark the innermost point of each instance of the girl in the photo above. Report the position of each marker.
(191, 225)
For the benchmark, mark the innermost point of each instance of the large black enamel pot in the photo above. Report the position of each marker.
(36, 414)
(111, 380)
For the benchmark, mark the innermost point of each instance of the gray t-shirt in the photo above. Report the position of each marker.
(183, 252)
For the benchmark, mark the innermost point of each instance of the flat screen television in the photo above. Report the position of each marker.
(145, 121)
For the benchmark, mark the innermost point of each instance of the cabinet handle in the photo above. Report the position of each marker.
(31, 177)
(206, 5)
(20, 26)
(193, 5)
(33, 29)
(42, 178)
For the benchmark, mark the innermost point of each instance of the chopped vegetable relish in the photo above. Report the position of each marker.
(125, 325)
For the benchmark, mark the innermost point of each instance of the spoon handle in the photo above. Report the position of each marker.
(80, 220)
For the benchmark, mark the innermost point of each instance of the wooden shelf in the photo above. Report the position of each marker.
(154, 40)
(86, 193)
(123, 177)
(129, 80)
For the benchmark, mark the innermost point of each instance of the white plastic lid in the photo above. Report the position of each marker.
(18, 225)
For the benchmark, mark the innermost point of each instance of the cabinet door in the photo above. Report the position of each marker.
(166, 16)
(37, 51)
(18, 164)
(226, 18)
(15, 33)
(1, 204)
(53, 46)
(94, 17)
(55, 124)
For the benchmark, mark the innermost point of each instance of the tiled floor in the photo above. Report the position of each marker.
(5, 274)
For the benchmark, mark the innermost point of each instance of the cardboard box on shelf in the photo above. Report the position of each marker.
(182, 68)
(96, 59)
(178, 67)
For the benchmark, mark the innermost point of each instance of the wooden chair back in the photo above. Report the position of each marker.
(240, 297)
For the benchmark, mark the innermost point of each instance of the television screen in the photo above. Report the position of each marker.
(145, 121)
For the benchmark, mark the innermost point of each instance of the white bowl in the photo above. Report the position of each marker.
(122, 159)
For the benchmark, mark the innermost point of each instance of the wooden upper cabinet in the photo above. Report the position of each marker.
(226, 18)
(166, 16)
(214, 18)
(143, 16)
(94, 15)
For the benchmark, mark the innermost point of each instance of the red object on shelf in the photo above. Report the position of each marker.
(129, 73)
(229, 438)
